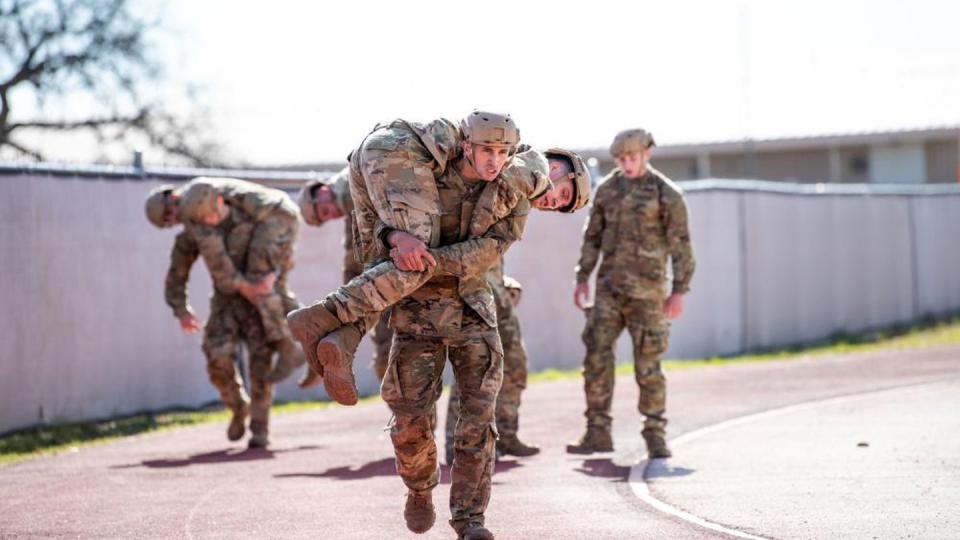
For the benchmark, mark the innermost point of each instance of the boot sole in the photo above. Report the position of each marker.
(337, 374)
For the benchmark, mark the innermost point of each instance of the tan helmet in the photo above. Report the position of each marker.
(580, 176)
(199, 199)
(306, 200)
(490, 129)
(158, 200)
(631, 140)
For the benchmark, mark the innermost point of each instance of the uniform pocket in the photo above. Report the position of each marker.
(655, 341)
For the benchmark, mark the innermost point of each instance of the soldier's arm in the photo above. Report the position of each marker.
(210, 244)
(477, 255)
(182, 257)
(592, 236)
(678, 238)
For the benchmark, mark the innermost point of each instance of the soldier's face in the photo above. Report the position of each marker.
(488, 160)
(171, 210)
(559, 196)
(325, 206)
(634, 164)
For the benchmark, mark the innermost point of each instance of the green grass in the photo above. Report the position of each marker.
(55, 439)
(70, 437)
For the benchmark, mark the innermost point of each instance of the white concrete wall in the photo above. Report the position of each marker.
(85, 332)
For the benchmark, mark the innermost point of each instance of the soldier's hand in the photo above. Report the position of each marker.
(265, 286)
(190, 324)
(580, 295)
(409, 253)
(673, 306)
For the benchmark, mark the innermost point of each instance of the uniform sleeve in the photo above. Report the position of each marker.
(476, 255)
(214, 252)
(592, 236)
(182, 257)
(678, 239)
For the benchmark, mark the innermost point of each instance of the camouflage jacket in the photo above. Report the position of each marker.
(636, 224)
(394, 183)
(249, 204)
(188, 246)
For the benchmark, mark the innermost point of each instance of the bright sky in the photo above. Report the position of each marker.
(298, 82)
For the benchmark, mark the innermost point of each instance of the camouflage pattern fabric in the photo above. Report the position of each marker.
(514, 365)
(232, 319)
(648, 329)
(635, 224)
(272, 218)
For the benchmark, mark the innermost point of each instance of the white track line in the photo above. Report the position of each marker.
(641, 489)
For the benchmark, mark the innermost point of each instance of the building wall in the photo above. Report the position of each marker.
(943, 161)
(86, 333)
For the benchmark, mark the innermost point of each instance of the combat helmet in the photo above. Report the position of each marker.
(306, 200)
(199, 198)
(580, 176)
(158, 200)
(491, 129)
(631, 140)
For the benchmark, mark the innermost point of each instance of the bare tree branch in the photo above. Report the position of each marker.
(100, 48)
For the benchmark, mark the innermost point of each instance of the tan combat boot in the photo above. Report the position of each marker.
(335, 353)
(510, 445)
(594, 440)
(418, 512)
(656, 445)
(475, 531)
(259, 437)
(310, 379)
(238, 422)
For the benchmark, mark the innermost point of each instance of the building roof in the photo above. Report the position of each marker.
(862, 138)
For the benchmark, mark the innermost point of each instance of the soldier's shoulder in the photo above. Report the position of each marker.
(607, 185)
(668, 186)
(528, 173)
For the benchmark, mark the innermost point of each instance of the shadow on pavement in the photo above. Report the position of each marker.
(660, 468)
(604, 468)
(230, 455)
(382, 467)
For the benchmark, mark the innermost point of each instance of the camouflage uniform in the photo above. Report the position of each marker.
(400, 180)
(275, 227)
(231, 319)
(636, 224)
(353, 267)
(514, 365)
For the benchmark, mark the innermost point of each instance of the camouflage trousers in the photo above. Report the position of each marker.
(411, 387)
(514, 380)
(234, 320)
(645, 322)
(271, 250)
(382, 334)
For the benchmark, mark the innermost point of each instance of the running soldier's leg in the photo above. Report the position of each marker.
(260, 354)
(221, 337)
(478, 368)
(514, 375)
(413, 382)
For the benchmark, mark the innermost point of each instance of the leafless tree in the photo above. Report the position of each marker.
(55, 49)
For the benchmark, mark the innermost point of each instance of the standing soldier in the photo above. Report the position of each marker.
(638, 219)
(227, 248)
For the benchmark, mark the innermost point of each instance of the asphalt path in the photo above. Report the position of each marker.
(764, 455)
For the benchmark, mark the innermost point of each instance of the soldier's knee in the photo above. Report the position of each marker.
(648, 372)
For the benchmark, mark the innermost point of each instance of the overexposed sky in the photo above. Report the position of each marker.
(298, 82)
